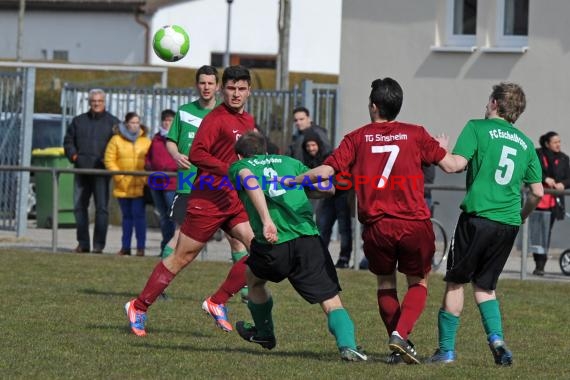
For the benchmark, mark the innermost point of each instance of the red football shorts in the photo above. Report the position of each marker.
(201, 225)
(406, 245)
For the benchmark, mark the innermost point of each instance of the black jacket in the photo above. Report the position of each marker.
(87, 137)
(557, 166)
(296, 148)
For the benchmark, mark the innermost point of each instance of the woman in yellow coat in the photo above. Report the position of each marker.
(126, 151)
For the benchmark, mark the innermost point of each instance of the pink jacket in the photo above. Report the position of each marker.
(159, 160)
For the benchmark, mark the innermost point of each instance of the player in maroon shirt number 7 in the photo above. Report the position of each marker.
(383, 162)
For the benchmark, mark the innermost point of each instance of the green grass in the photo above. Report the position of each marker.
(62, 317)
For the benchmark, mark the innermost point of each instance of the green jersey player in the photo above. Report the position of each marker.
(499, 159)
(286, 245)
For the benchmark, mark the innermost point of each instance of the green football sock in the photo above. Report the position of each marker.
(341, 326)
(491, 318)
(261, 314)
(236, 256)
(447, 324)
(167, 251)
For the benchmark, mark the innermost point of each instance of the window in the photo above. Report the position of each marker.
(251, 61)
(512, 23)
(60, 55)
(461, 22)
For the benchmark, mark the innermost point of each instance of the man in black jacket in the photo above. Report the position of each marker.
(84, 144)
(305, 126)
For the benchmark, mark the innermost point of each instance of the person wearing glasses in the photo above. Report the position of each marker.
(84, 144)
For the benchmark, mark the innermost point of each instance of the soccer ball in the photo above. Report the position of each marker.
(171, 43)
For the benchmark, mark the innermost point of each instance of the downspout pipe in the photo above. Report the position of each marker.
(139, 19)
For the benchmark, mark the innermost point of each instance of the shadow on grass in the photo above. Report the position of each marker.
(256, 352)
(124, 328)
(128, 295)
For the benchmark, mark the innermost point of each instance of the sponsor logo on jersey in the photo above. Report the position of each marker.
(190, 119)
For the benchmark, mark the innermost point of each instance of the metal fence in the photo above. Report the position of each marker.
(16, 116)
(271, 109)
(56, 172)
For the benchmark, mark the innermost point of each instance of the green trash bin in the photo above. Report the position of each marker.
(53, 158)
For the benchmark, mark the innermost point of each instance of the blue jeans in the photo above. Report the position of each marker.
(336, 208)
(85, 186)
(162, 202)
(133, 211)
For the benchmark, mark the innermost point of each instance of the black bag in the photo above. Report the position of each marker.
(147, 196)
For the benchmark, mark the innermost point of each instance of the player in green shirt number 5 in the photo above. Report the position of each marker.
(499, 159)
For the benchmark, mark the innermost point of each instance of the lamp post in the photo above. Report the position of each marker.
(19, 44)
(227, 53)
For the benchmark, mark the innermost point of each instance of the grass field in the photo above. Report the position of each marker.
(62, 317)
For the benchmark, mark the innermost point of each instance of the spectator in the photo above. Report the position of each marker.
(313, 156)
(158, 159)
(84, 144)
(556, 176)
(126, 151)
(305, 125)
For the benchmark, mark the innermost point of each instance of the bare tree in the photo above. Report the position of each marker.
(284, 27)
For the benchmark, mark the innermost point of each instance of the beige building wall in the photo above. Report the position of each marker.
(442, 90)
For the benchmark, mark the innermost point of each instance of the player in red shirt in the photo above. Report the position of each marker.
(212, 204)
(383, 162)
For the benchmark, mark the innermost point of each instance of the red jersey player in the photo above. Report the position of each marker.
(212, 204)
(383, 160)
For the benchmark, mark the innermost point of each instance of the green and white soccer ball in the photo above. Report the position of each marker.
(171, 43)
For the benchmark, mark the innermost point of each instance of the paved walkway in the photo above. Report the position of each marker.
(40, 239)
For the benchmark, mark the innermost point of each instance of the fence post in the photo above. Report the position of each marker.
(308, 99)
(338, 134)
(27, 121)
(357, 237)
(55, 208)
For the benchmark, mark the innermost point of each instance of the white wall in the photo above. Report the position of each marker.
(315, 31)
(92, 37)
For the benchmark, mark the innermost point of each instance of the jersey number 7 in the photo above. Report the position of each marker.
(394, 150)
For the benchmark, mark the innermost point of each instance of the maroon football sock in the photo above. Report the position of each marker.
(233, 283)
(159, 280)
(412, 307)
(389, 308)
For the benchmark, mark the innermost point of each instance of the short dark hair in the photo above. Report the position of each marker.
(301, 109)
(167, 113)
(131, 115)
(207, 70)
(545, 139)
(251, 144)
(511, 100)
(236, 73)
(387, 95)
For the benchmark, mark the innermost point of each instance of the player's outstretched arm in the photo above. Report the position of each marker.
(312, 176)
(254, 192)
(452, 163)
(534, 196)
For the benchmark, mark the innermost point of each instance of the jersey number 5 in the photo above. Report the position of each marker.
(504, 173)
(394, 150)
